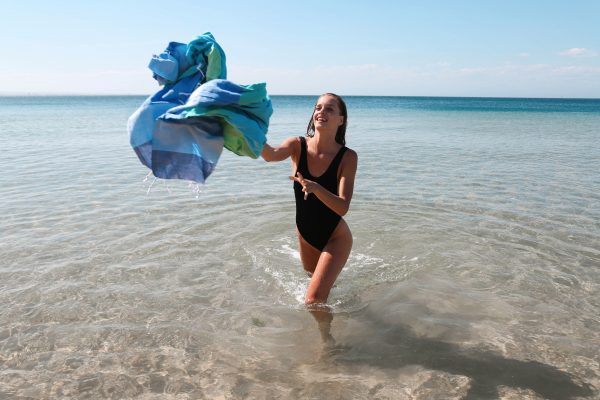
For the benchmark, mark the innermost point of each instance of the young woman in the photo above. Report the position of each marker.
(323, 174)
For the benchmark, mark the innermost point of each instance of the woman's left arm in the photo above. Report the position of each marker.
(340, 204)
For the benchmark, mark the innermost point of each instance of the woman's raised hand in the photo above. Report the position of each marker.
(308, 186)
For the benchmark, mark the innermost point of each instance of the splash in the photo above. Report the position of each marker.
(195, 188)
(153, 182)
(279, 266)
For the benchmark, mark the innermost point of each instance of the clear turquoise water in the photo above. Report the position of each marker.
(475, 269)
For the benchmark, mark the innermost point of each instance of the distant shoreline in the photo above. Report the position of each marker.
(20, 95)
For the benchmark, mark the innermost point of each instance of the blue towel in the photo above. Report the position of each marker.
(180, 131)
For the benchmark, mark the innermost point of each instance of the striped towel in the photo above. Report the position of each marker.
(180, 131)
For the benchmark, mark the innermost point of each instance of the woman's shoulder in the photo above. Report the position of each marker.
(293, 143)
(349, 153)
(350, 157)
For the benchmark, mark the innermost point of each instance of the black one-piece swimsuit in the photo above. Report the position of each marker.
(314, 220)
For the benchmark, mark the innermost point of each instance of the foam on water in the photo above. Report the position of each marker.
(280, 266)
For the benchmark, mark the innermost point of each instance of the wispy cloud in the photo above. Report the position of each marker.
(533, 79)
(575, 70)
(579, 52)
(440, 79)
(503, 70)
(100, 81)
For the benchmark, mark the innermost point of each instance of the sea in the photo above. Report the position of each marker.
(474, 274)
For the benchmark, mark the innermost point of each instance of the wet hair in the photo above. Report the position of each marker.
(340, 135)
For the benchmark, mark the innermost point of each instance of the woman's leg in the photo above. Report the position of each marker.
(308, 255)
(329, 264)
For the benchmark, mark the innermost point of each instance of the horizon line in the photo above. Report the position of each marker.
(9, 94)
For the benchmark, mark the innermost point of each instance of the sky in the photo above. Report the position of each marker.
(489, 48)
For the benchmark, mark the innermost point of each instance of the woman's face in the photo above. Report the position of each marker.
(327, 114)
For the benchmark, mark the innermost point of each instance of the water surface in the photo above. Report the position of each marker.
(475, 269)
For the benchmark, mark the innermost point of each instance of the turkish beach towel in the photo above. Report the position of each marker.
(180, 131)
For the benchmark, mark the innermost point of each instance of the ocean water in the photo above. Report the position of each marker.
(475, 271)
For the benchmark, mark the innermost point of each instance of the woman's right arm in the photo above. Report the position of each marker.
(281, 152)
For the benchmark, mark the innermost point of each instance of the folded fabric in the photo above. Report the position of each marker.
(179, 60)
(244, 111)
(180, 131)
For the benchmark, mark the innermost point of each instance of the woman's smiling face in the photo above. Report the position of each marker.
(327, 113)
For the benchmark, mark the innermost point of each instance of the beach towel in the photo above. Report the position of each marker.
(180, 131)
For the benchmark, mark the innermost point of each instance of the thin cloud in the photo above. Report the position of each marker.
(576, 70)
(579, 52)
(499, 70)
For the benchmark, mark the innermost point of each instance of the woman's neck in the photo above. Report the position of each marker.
(324, 142)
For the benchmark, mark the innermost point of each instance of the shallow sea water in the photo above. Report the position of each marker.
(475, 271)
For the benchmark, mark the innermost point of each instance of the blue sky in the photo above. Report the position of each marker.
(521, 48)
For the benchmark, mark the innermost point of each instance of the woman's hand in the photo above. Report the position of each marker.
(308, 186)
(339, 203)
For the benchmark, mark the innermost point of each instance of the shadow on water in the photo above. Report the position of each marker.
(394, 346)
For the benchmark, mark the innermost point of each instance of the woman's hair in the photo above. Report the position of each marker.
(340, 135)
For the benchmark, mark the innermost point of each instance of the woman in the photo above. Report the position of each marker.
(324, 171)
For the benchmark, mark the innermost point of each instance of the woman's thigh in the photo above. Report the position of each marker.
(329, 264)
(308, 255)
